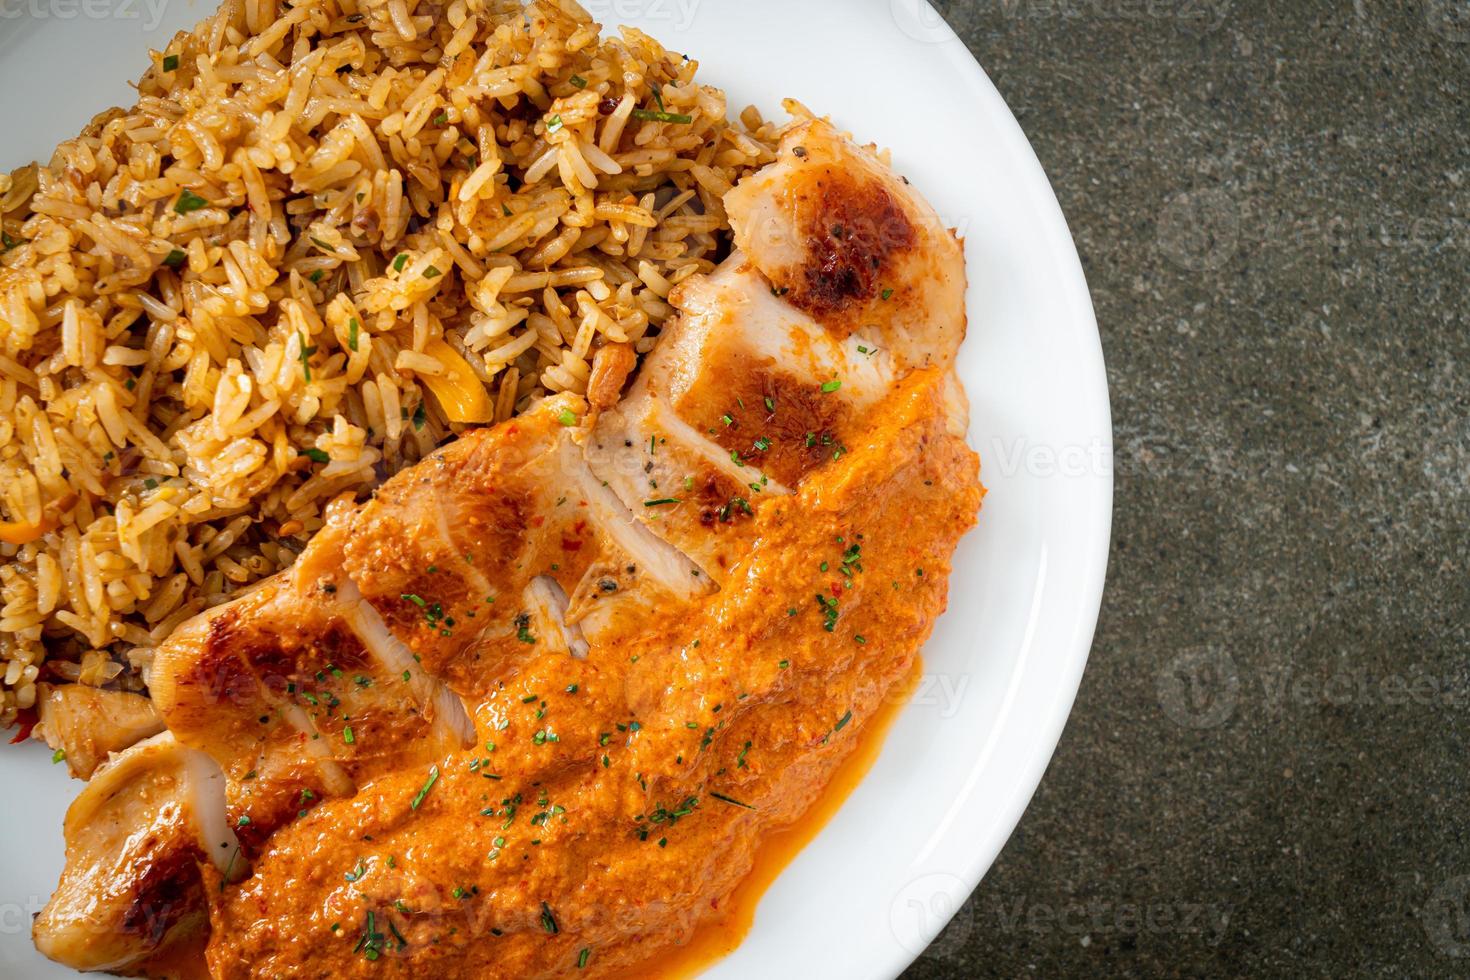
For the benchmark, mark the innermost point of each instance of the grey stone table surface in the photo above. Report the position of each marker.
(1264, 773)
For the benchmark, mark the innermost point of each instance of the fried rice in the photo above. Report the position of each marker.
(331, 235)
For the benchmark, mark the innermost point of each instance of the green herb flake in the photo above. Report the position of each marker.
(352, 330)
(305, 356)
(730, 800)
(567, 417)
(432, 273)
(316, 455)
(400, 261)
(584, 955)
(428, 785)
(831, 386)
(554, 125)
(578, 81)
(58, 756)
(173, 260)
(648, 115)
(662, 501)
(189, 201)
(370, 943)
(170, 62)
(348, 737)
(548, 920)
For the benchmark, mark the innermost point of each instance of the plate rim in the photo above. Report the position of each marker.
(1088, 605)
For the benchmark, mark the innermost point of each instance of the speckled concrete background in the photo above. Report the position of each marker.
(1265, 772)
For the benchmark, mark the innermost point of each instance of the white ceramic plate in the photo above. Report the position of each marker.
(963, 759)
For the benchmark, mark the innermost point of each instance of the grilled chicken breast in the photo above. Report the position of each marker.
(532, 709)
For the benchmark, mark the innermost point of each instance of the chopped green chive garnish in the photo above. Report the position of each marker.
(428, 785)
(567, 417)
(648, 115)
(174, 259)
(831, 386)
(733, 802)
(316, 455)
(305, 356)
(352, 329)
(170, 62)
(660, 502)
(400, 261)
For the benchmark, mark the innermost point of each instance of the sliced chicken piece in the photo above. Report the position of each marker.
(136, 839)
(743, 397)
(842, 238)
(458, 555)
(86, 724)
(844, 281)
(300, 691)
